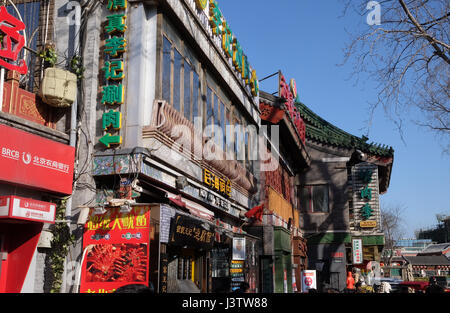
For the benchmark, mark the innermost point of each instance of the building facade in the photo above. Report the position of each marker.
(282, 242)
(340, 212)
(37, 151)
(170, 98)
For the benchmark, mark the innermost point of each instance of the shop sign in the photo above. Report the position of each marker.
(116, 249)
(237, 274)
(290, 94)
(114, 91)
(309, 280)
(238, 249)
(185, 230)
(164, 276)
(14, 42)
(13, 207)
(357, 250)
(30, 160)
(220, 185)
(368, 224)
(365, 195)
(211, 17)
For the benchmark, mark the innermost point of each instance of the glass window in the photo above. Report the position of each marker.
(314, 199)
(187, 91)
(216, 121)
(209, 107)
(166, 66)
(177, 80)
(29, 13)
(305, 199)
(238, 141)
(222, 125)
(196, 108)
(229, 137)
(320, 198)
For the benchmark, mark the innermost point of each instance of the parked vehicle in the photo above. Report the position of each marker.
(442, 281)
(418, 286)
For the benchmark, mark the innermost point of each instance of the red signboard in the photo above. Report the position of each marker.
(37, 162)
(12, 207)
(286, 92)
(115, 250)
(13, 42)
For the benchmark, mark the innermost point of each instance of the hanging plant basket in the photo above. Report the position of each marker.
(58, 88)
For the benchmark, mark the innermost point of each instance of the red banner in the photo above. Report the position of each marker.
(37, 162)
(116, 250)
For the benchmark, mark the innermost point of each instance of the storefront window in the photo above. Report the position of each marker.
(314, 199)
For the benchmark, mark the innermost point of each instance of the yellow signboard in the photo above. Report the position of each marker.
(368, 224)
(220, 185)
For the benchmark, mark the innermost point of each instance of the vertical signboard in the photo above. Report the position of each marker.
(366, 206)
(113, 90)
(357, 251)
(115, 249)
(237, 263)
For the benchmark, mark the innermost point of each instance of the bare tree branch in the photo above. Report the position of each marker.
(408, 58)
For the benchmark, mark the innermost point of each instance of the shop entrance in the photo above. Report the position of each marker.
(187, 271)
(3, 255)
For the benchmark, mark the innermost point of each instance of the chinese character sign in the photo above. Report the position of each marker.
(357, 251)
(366, 195)
(185, 230)
(113, 91)
(13, 42)
(116, 249)
(221, 185)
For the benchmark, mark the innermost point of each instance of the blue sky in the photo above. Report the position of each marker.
(305, 40)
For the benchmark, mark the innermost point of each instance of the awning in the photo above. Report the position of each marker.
(193, 207)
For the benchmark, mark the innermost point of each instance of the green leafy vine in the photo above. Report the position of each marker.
(76, 66)
(49, 55)
(62, 240)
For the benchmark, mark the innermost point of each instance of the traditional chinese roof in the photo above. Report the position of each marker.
(318, 129)
(321, 131)
(441, 248)
(428, 260)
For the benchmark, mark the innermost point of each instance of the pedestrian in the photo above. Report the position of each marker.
(434, 287)
(135, 288)
(358, 287)
(243, 288)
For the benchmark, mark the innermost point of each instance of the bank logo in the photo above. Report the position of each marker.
(26, 158)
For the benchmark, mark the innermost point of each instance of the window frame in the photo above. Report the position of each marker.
(310, 208)
(184, 61)
(206, 80)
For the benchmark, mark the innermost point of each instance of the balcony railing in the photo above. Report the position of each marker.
(24, 104)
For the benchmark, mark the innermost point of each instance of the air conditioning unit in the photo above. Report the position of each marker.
(58, 88)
